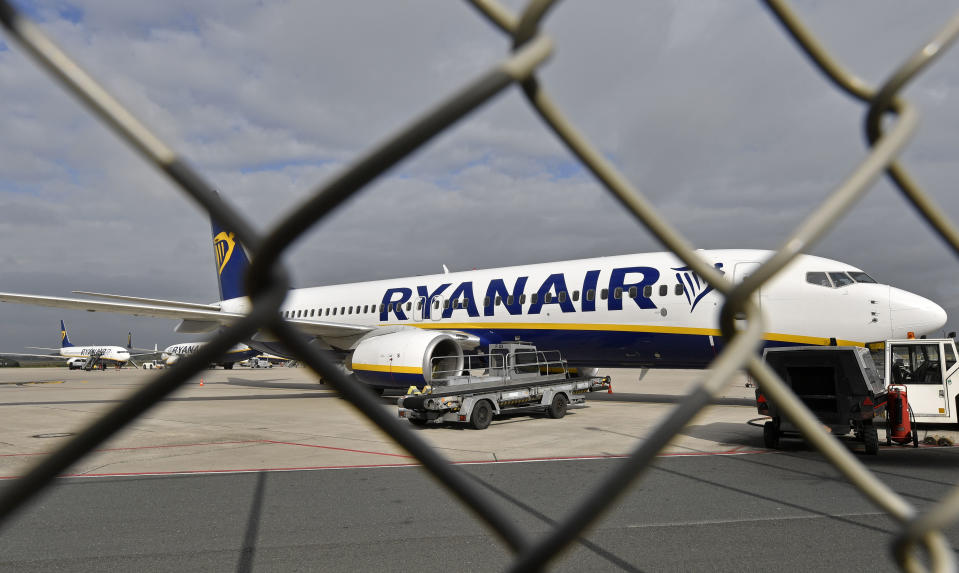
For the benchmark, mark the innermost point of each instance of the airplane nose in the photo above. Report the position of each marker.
(910, 312)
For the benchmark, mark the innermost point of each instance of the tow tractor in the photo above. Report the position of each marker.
(512, 377)
(926, 368)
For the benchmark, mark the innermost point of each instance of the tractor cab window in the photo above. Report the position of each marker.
(916, 364)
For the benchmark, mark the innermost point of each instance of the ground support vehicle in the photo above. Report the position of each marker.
(927, 369)
(839, 384)
(513, 377)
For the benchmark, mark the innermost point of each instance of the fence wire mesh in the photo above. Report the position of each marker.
(267, 282)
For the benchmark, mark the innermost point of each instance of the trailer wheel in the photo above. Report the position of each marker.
(417, 421)
(482, 415)
(557, 408)
(771, 435)
(870, 436)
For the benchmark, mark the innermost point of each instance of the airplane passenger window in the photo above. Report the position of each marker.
(590, 295)
(509, 300)
(466, 303)
(618, 293)
(633, 291)
(446, 303)
(499, 300)
(532, 298)
(342, 310)
(334, 311)
(562, 296)
(861, 277)
(349, 310)
(382, 307)
(840, 279)
(548, 297)
(604, 294)
(647, 291)
(436, 304)
(409, 306)
(419, 304)
(486, 301)
(663, 290)
(818, 278)
(679, 288)
(522, 298)
(575, 295)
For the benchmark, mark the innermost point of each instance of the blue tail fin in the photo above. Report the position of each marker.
(231, 263)
(64, 341)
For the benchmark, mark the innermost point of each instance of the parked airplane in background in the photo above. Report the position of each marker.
(171, 354)
(114, 355)
(644, 310)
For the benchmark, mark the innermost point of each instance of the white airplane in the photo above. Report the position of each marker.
(643, 311)
(115, 355)
(171, 354)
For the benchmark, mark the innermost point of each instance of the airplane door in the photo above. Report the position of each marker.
(419, 309)
(740, 272)
(919, 367)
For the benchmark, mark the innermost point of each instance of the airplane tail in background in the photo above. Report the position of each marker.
(64, 341)
(231, 263)
(129, 340)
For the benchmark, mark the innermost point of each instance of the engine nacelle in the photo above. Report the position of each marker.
(584, 371)
(406, 358)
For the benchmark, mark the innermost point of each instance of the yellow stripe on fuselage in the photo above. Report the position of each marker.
(770, 336)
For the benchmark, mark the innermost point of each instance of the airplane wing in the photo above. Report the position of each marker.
(24, 354)
(188, 312)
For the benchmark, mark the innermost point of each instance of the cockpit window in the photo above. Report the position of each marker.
(841, 279)
(818, 279)
(861, 277)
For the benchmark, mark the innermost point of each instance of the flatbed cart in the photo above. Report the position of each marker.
(839, 384)
(513, 377)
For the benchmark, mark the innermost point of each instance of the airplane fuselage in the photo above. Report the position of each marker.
(623, 311)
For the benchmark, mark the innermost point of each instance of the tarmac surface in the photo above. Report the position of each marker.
(195, 484)
(281, 418)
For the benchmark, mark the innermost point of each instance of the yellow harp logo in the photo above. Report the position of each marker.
(223, 245)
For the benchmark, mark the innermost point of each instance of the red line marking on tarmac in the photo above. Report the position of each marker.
(406, 465)
(338, 449)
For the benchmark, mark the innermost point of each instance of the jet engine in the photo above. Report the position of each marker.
(406, 358)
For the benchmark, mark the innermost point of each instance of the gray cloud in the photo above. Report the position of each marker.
(707, 107)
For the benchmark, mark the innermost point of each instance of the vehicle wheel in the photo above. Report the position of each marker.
(482, 415)
(870, 436)
(417, 421)
(228, 366)
(888, 432)
(557, 408)
(771, 436)
(915, 438)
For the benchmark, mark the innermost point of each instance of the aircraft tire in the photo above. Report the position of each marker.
(557, 408)
(482, 415)
(771, 435)
(870, 436)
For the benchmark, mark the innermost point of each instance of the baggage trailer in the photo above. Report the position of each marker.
(512, 377)
(839, 384)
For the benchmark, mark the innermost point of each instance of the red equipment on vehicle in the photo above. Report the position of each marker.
(899, 427)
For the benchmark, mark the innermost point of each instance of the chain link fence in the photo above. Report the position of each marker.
(267, 281)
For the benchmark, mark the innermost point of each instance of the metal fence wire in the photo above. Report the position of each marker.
(267, 282)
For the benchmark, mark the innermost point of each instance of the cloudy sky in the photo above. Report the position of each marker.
(706, 106)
